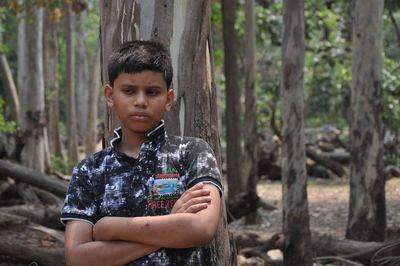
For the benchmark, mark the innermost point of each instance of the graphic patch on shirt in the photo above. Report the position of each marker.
(165, 189)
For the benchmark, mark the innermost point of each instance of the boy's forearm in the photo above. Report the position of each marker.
(171, 231)
(107, 253)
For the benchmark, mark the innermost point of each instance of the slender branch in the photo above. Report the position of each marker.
(396, 27)
(337, 258)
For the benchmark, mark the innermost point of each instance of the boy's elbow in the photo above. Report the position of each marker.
(206, 234)
(72, 256)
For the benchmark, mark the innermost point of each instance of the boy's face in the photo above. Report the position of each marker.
(140, 100)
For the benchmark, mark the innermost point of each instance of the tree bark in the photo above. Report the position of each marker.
(116, 27)
(236, 182)
(50, 65)
(70, 87)
(91, 132)
(82, 78)
(367, 213)
(297, 247)
(250, 116)
(31, 90)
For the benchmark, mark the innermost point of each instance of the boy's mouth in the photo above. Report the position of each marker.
(139, 116)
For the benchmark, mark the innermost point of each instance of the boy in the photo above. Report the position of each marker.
(150, 198)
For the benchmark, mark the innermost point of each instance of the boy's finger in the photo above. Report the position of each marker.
(197, 207)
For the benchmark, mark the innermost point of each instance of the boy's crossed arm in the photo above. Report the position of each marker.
(189, 227)
(82, 250)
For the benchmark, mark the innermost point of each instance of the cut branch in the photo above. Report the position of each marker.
(33, 177)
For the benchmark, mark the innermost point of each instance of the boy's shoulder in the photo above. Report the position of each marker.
(95, 160)
(188, 143)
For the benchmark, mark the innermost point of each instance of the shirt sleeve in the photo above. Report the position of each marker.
(79, 202)
(202, 166)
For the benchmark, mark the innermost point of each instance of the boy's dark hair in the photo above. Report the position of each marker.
(138, 56)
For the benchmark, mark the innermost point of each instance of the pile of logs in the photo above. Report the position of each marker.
(30, 203)
(327, 157)
(327, 249)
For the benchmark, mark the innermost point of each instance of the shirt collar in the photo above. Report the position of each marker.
(158, 133)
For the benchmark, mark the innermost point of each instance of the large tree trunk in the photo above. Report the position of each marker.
(250, 156)
(297, 249)
(31, 90)
(184, 27)
(82, 77)
(236, 182)
(250, 115)
(116, 27)
(70, 87)
(367, 213)
(50, 64)
(91, 132)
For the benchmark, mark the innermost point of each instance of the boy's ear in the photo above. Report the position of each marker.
(170, 99)
(108, 95)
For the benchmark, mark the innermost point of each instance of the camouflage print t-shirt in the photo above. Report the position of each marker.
(110, 183)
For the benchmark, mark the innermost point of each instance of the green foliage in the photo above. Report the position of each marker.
(61, 164)
(6, 126)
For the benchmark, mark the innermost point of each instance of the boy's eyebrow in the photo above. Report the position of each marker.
(128, 84)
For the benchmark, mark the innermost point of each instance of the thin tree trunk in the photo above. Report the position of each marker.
(31, 90)
(9, 84)
(70, 87)
(393, 19)
(367, 213)
(50, 65)
(236, 182)
(250, 156)
(91, 135)
(297, 247)
(250, 115)
(82, 78)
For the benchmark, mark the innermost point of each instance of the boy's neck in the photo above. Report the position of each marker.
(131, 142)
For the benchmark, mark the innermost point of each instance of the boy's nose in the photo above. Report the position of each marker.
(140, 100)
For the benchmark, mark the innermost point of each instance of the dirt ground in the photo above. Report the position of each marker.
(328, 207)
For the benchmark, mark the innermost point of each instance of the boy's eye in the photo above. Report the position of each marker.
(152, 92)
(127, 91)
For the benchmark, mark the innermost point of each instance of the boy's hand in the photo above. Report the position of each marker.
(193, 200)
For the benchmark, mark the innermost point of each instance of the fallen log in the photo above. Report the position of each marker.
(33, 177)
(317, 170)
(242, 204)
(28, 242)
(46, 215)
(340, 157)
(330, 164)
(251, 238)
(27, 194)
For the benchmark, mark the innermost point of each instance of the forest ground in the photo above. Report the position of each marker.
(328, 207)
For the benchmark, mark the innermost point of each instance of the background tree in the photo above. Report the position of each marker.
(71, 122)
(8, 83)
(297, 249)
(250, 115)
(50, 67)
(82, 75)
(31, 89)
(236, 182)
(367, 213)
(93, 100)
